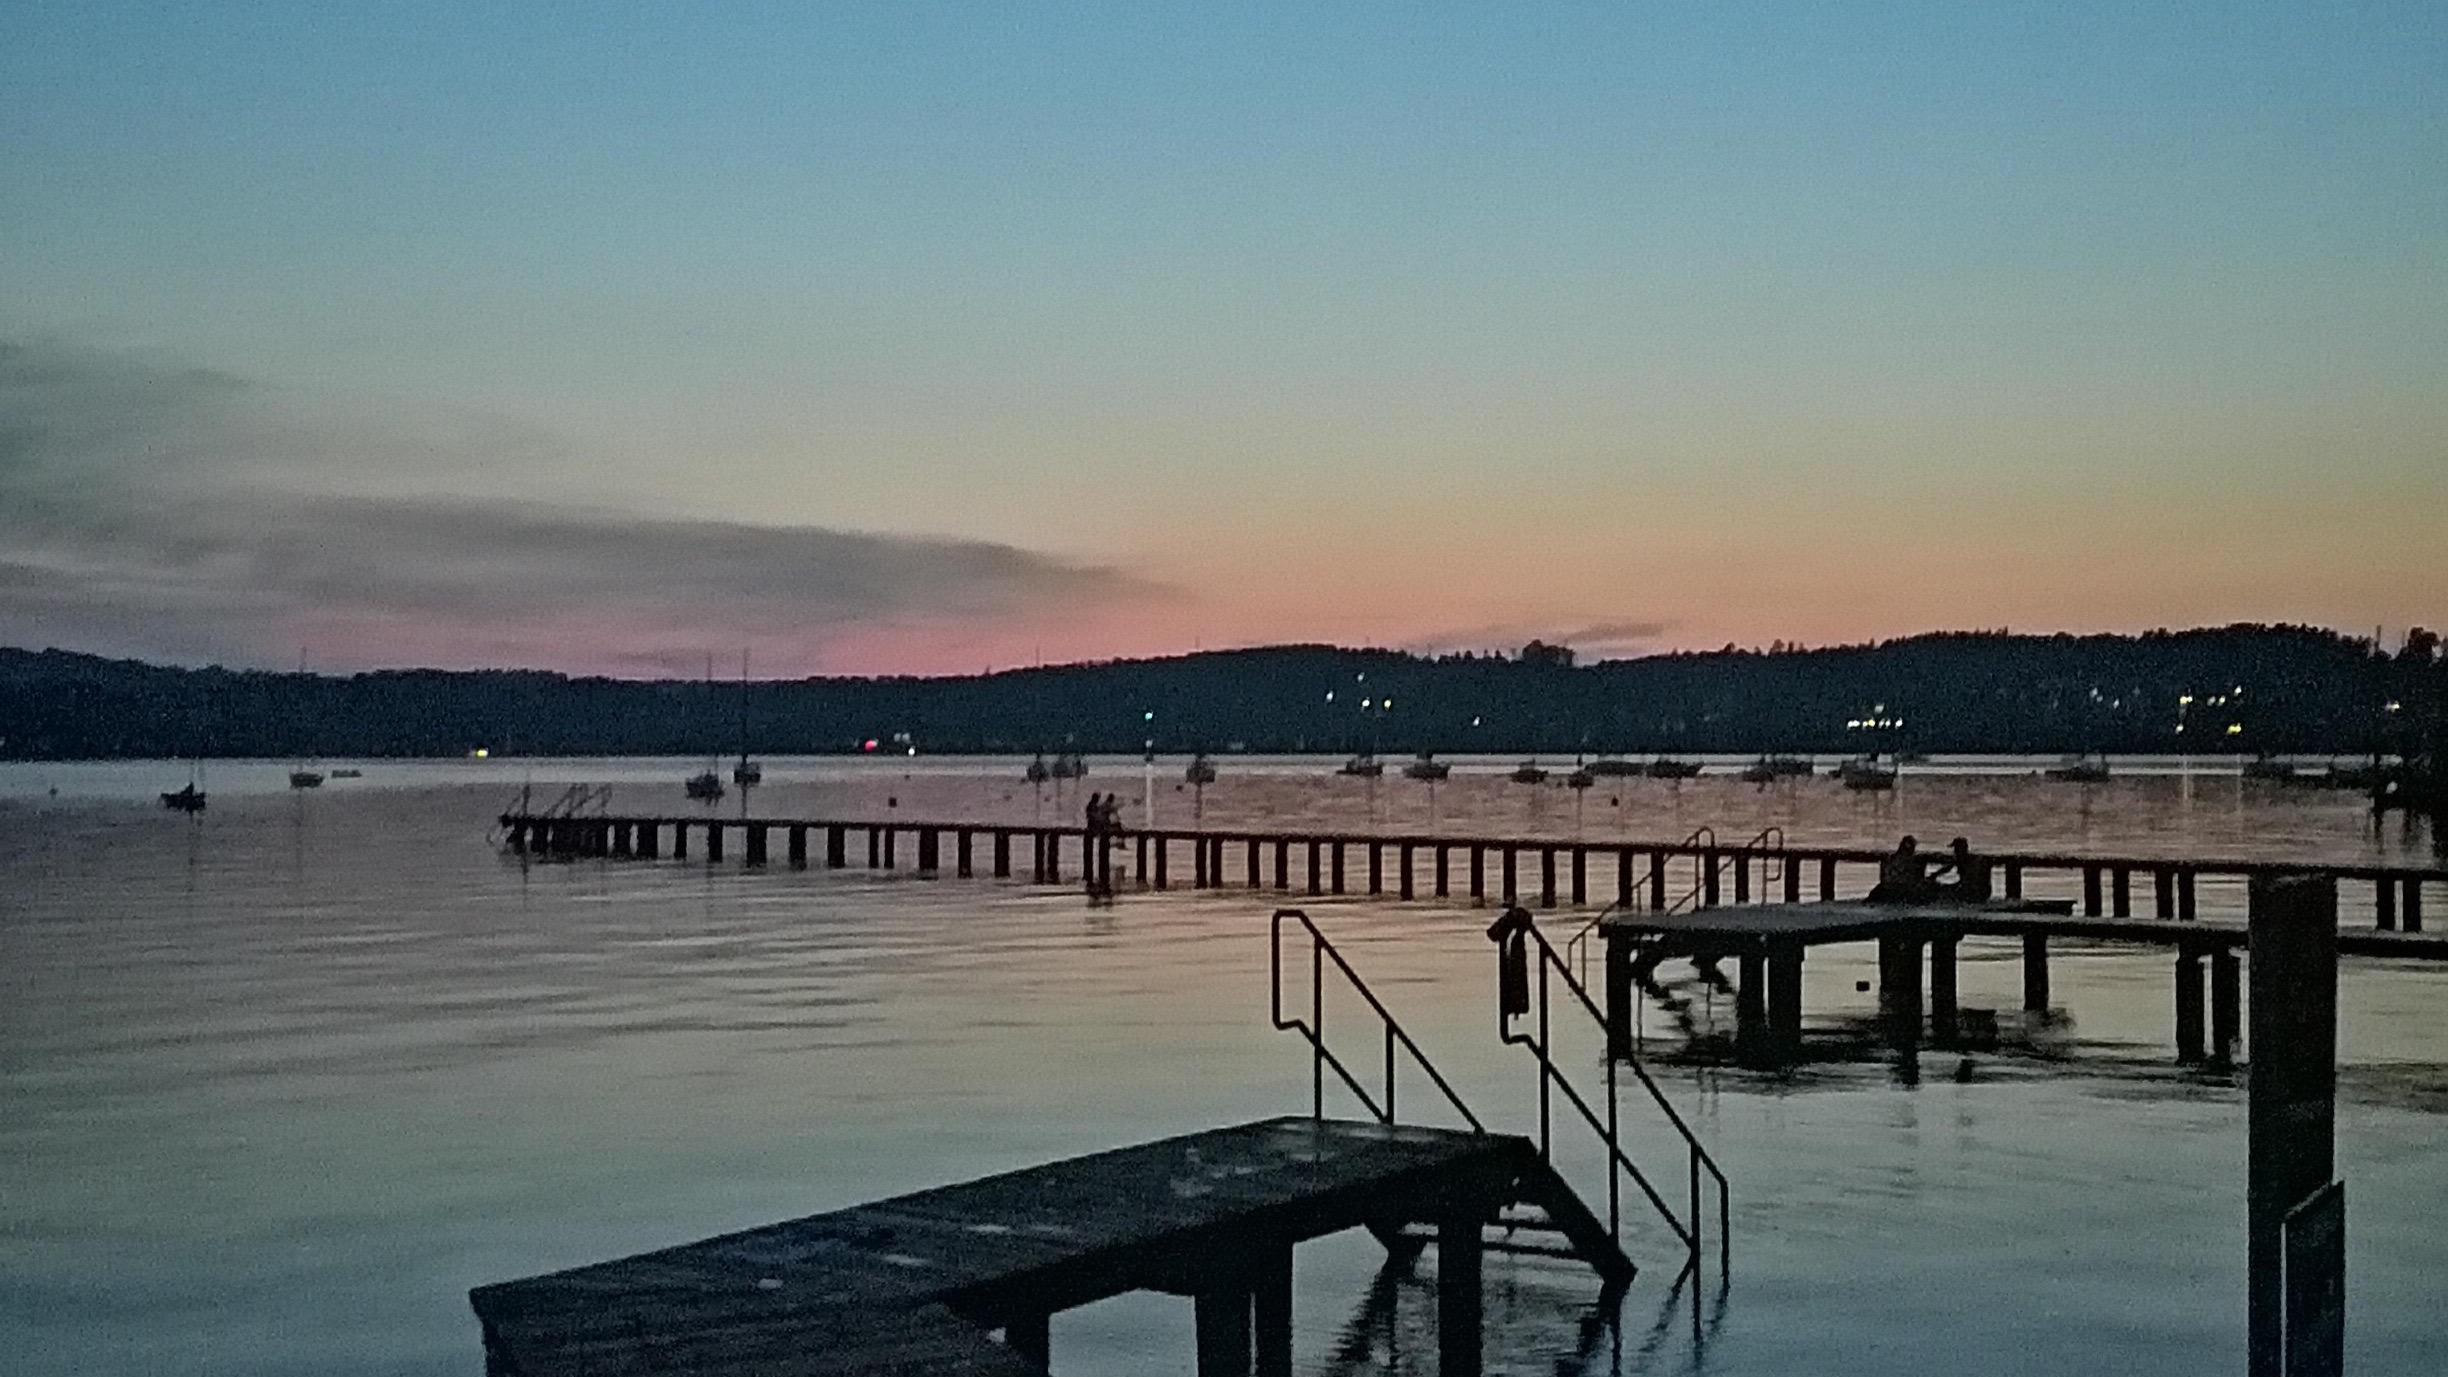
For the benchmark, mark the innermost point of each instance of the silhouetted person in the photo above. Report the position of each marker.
(1971, 873)
(1901, 880)
(1094, 826)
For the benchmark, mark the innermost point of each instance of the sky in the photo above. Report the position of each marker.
(931, 338)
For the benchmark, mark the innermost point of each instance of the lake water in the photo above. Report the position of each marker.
(279, 1083)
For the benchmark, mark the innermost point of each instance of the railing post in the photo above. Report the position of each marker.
(1404, 859)
(1376, 853)
(2384, 899)
(1827, 879)
(1580, 876)
(1623, 877)
(1657, 882)
(1443, 887)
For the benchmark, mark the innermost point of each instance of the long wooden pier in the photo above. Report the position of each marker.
(1657, 876)
(917, 1284)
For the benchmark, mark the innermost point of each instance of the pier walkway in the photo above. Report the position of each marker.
(915, 1284)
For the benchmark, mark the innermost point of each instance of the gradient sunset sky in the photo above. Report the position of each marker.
(914, 337)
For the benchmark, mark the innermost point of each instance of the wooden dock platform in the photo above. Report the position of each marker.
(916, 1284)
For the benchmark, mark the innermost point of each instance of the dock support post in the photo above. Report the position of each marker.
(1029, 1338)
(2184, 894)
(1223, 1318)
(1742, 877)
(1710, 860)
(1580, 876)
(1444, 886)
(1657, 882)
(1458, 1295)
(1751, 1038)
(1157, 841)
(1618, 977)
(961, 852)
(2163, 892)
(1002, 852)
(1198, 863)
(1252, 849)
(1405, 887)
(1376, 868)
(2384, 903)
(649, 835)
(1942, 988)
(1793, 880)
(837, 849)
(1900, 987)
(875, 849)
(1478, 872)
(1139, 858)
(621, 833)
(2225, 1005)
(1271, 1301)
(2035, 973)
(2121, 891)
(679, 841)
(714, 842)
(2188, 1004)
(930, 851)
(2091, 891)
(1314, 886)
(2014, 879)
(2412, 911)
(1623, 877)
(1827, 879)
(1053, 855)
(1512, 887)
(1785, 1001)
(798, 847)
(1283, 863)
(892, 847)
(1337, 848)
(1547, 878)
(756, 833)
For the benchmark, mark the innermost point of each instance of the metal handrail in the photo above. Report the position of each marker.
(1541, 1046)
(1314, 1029)
(1768, 851)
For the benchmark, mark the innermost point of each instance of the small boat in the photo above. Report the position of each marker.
(747, 773)
(1070, 765)
(704, 786)
(187, 800)
(305, 779)
(1580, 778)
(1760, 771)
(1666, 768)
(1201, 770)
(1037, 773)
(348, 772)
(1426, 766)
(1365, 765)
(1613, 765)
(1867, 774)
(2268, 768)
(1528, 772)
(1792, 766)
(2080, 769)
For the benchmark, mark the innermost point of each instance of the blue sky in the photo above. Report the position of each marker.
(1242, 323)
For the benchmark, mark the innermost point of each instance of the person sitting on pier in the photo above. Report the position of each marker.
(1971, 883)
(1901, 880)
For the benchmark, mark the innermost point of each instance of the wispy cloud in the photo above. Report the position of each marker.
(168, 511)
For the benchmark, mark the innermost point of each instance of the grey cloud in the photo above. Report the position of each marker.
(137, 510)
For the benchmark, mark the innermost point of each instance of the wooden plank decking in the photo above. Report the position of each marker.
(914, 1284)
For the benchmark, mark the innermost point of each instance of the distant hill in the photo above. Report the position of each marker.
(2230, 689)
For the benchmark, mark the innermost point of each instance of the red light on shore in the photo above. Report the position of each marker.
(869, 744)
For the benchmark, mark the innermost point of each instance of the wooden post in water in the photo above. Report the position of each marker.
(1478, 872)
(1900, 987)
(1751, 1038)
(1657, 882)
(1053, 856)
(1271, 1304)
(1742, 877)
(754, 833)
(1618, 979)
(2384, 900)
(837, 849)
(1283, 863)
(961, 852)
(1198, 863)
(1223, 1324)
(649, 838)
(1793, 881)
(1314, 885)
(2035, 973)
(1710, 860)
(2295, 1322)
(1827, 879)
(1623, 877)
(1580, 876)
(1336, 846)
(679, 840)
(892, 838)
(1376, 853)
(2412, 911)
(2225, 1005)
(1002, 852)
(1942, 987)
(1785, 999)
(1158, 841)
(620, 840)
(2188, 1004)
(2121, 885)
(875, 849)
(2163, 892)
(2014, 879)
(2184, 894)
(1547, 877)
(1512, 889)
(930, 851)
(1405, 888)
(1458, 1294)
(714, 842)
(1443, 889)
(2091, 891)
(1030, 1338)
(1252, 859)
(798, 846)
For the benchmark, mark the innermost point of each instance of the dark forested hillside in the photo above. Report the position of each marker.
(2243, 688)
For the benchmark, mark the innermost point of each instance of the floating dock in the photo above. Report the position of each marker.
(960, 1281)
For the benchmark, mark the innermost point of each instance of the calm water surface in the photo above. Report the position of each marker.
(277, 1085)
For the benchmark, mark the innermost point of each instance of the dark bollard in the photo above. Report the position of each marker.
(1580, 876)
(1942, 989)
(2121, 891)
(837, 849)
(2035, 973)
(2188, 1005)
(2091, 891)
(798, 847)
(2226, 1007)
(714, 842)
(755, 836)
